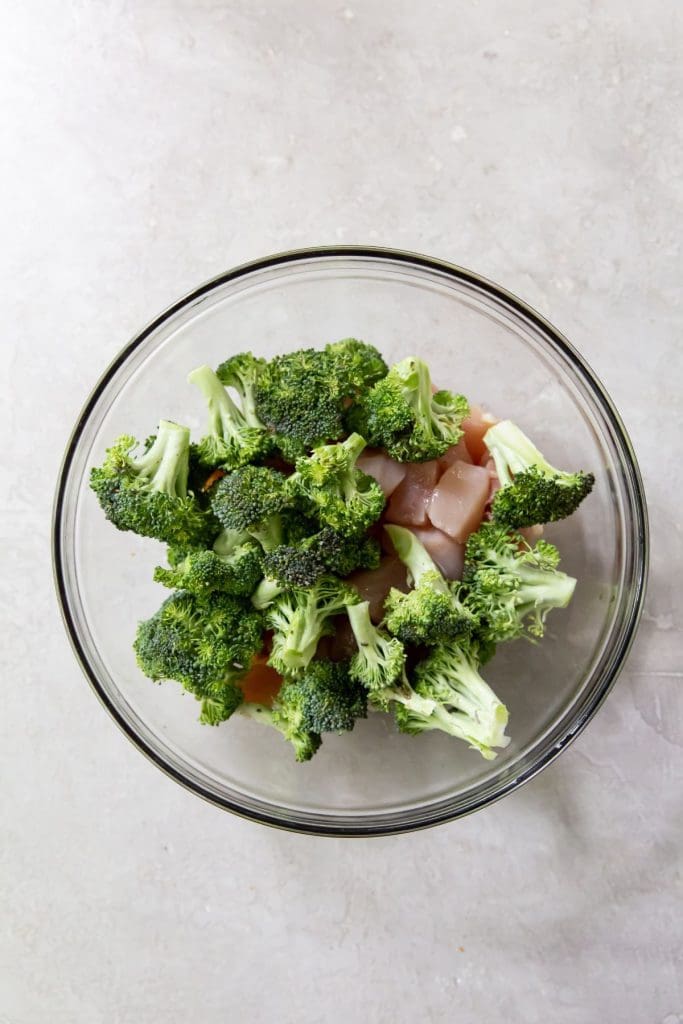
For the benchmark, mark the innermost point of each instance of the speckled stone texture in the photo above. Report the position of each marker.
(148, 146)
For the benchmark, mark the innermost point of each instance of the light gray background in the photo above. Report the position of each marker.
(147, 146)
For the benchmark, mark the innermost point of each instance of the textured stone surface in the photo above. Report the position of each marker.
(147, 146)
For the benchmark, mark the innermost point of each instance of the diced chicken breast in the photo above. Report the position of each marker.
(494, 482)
(446, 552)
(387, 472)
(475, 426)
(459, 500)
(457, 453)
(373, 585)
(409, 502)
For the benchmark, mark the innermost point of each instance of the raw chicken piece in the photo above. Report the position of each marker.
(373, 585)
(475, 426)
(261, 683)
(409, 502)
(459, 500)
(494, 482)
(458, 453)
(387, 472)
(446, 552)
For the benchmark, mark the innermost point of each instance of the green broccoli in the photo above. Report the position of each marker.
(148, 493)
(229, 569)
(532, 491)
(343, 555)
(303, 563)
(300, 399)
(380, 659)
(299, 617)
(400, 413)
(512, 586)
(241, 372)
(232, 441)
(433, 610)
(465, 706)
(330, 700)
(294, 565)
(356, 365)
(287, 718)
(252, 499)
(205, 645)
(338, 493)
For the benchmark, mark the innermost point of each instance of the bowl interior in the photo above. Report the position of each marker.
(476, 341)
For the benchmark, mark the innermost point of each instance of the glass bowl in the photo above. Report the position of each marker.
(478, 339)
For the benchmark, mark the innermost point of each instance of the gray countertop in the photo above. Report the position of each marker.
(148, 146)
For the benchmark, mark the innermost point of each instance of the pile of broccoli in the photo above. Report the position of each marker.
(268, 514)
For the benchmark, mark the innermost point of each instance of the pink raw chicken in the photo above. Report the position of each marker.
(494, 482)
(409, 502)
(373, 585)
(459, 500)
(475, 426)
(447, 553)
(458, 453)
(384, 470)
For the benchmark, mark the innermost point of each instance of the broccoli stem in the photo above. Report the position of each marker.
(463, 727)
(266, 592)
(354, 445)
(269, 533)
(228, 540)
(166, 463)
(406, 695)
(415, 558)
(305, 629)
(421, 397)
(380, 660)
(513, 453)
(538, 588)
(225, 418)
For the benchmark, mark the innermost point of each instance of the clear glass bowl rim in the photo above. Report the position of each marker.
(357, 826)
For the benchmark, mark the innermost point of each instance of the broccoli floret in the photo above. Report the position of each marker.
(433, 610)
(232, 441)
(400, 413)
(512, 586)
(356, 364)
(241, 372)
(300, 617)
(287, 719)
(300, 399)
(294, 565)
(343, 555)
(236, 571)
(148, 493)
(205, 645)
(220, 704)
(532, 491)
(252, 499)
(303, 563)
(465, 706)
(328, 698)
(341, 495)
(380, 659)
